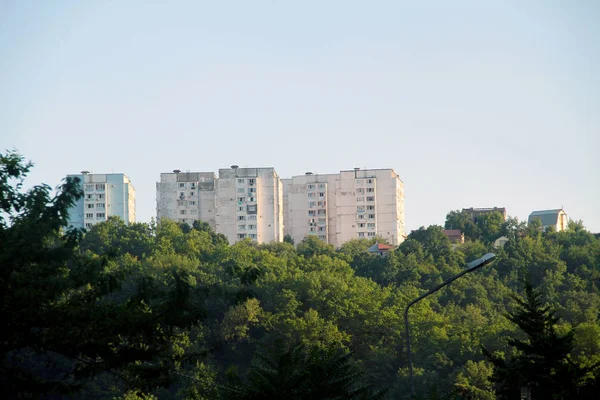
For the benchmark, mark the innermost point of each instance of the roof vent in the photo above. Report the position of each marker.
(85, 172)
(308, 173)
(356, 168)
(176, 171)
(235, 166)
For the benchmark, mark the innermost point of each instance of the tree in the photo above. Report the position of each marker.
(301, 373)
(542, 363)
(462, 220)
(288, 239)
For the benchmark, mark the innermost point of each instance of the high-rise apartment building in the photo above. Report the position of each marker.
(105, 195)
(339, 207)
(186, 197)
(249, 204)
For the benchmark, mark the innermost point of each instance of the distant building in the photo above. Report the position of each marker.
(186, 197)
(380, 249)
(359, 203)
(455, 236)
(477, 212)
(104, 195)
(250, 204)
(557, 218)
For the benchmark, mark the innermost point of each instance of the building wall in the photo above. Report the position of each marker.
(250, 204)
(358, 203)
(104, 195)
(186, 197)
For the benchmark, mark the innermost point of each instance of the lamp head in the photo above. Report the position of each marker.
(480, 262)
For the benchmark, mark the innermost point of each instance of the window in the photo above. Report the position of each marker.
(322, 237)
(89, 188)
(251, 190)
(241, 218)
(371, 225)
(370, 198)
(371, 234)
(360, 199)
(360, 208)
(251, 181)
(191, 203)
(311, 187)
(360, 190)
(90, 206)
(370, 190)
(192, 186)
(241, 190)
(313, 229)
(241, 180)
(370, 208)
(241, 199)
(181, 195)
(360, 182)
(100, 186)
(241, 208)
(252, 236)
(89, 215)
(322, 212)
(241, 227)
(311, 213)
(361, 234)
(371, 216)
(100, 197)
(89, 196)
(182, 212)
(182, 185)
(321, 194)
(251, 208)
(322, 229)
(88, 224)
(369, 180)
(194, 212)
(100, 205)
(361, 225)
(312, 203)
(241, 235)
(100, 215)
(192, 193)
(311, 195)
(321, 186)
(361, 216)
(322, 221)
(322, 203)
(251, 199)
(252, 227)
(181, 203)
(251, 217)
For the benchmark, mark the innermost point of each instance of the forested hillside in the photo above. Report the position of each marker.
(176, 312)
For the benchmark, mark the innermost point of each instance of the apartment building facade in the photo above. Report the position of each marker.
(340, 207)
(186, 197)
(249, 204)
(105, 195)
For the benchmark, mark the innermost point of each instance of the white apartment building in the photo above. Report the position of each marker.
(249, 204)
(186, 197)
(339, 207)
(104, 195)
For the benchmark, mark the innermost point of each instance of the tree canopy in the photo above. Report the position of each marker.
(173, 311)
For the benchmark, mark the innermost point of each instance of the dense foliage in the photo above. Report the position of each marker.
(173, 311)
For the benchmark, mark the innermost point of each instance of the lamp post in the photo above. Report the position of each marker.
(472, 266)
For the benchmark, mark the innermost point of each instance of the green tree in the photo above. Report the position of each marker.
(303, 373)
(542, 363)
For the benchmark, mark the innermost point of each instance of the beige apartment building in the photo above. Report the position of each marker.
(359, 203)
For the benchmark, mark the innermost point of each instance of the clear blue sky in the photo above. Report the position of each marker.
(473, 103)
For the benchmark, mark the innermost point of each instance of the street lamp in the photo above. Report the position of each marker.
(472, 266)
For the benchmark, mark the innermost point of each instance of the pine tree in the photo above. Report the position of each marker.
(542, 366)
